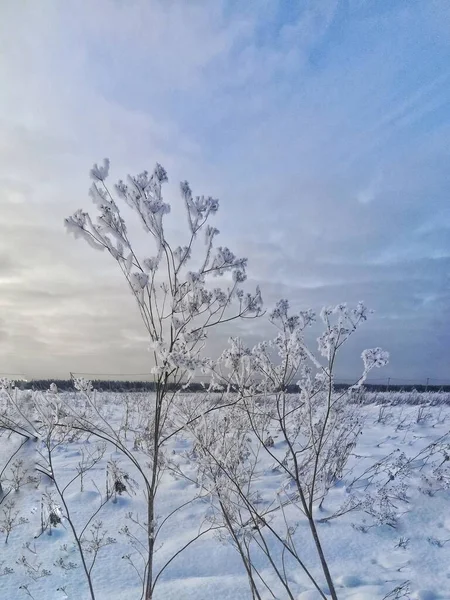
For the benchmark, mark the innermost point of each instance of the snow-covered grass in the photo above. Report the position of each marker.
(396, 541)
(411, 397)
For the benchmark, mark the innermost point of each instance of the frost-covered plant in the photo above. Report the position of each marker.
(17, 411)
(51, 513)
(402, 543)
(402, 590)
(118, 481)
(94, 540)
(423, 415)
(19, 475)
(384, 414)
(20, 426)
(179, 303)
(227, 464)
(57, 508)
(26, 590)
(172, 289)
(437, 479)
(89, 458)
(318, 426)
(10, 519)
(5, 570)
(33, 569)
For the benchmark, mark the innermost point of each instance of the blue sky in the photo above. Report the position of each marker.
(322, 126)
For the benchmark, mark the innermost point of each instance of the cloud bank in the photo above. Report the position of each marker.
(322, 126)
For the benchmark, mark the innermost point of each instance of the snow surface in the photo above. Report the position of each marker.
(365, 558)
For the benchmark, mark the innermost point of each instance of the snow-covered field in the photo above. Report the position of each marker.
(396, 545)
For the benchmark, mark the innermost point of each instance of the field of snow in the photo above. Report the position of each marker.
(400, 550)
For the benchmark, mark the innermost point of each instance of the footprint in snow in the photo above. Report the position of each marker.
(425, 595)
(349, 581)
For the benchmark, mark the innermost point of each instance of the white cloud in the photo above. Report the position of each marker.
(324, 132)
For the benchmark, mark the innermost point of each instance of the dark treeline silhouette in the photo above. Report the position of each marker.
(149, 386)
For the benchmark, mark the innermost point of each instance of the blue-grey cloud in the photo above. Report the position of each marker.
(323, 126)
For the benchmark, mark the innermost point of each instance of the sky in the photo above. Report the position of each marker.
(323, 126)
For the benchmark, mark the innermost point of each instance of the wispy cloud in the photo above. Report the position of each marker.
(322, 126)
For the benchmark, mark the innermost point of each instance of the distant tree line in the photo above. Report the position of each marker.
(104, 385)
